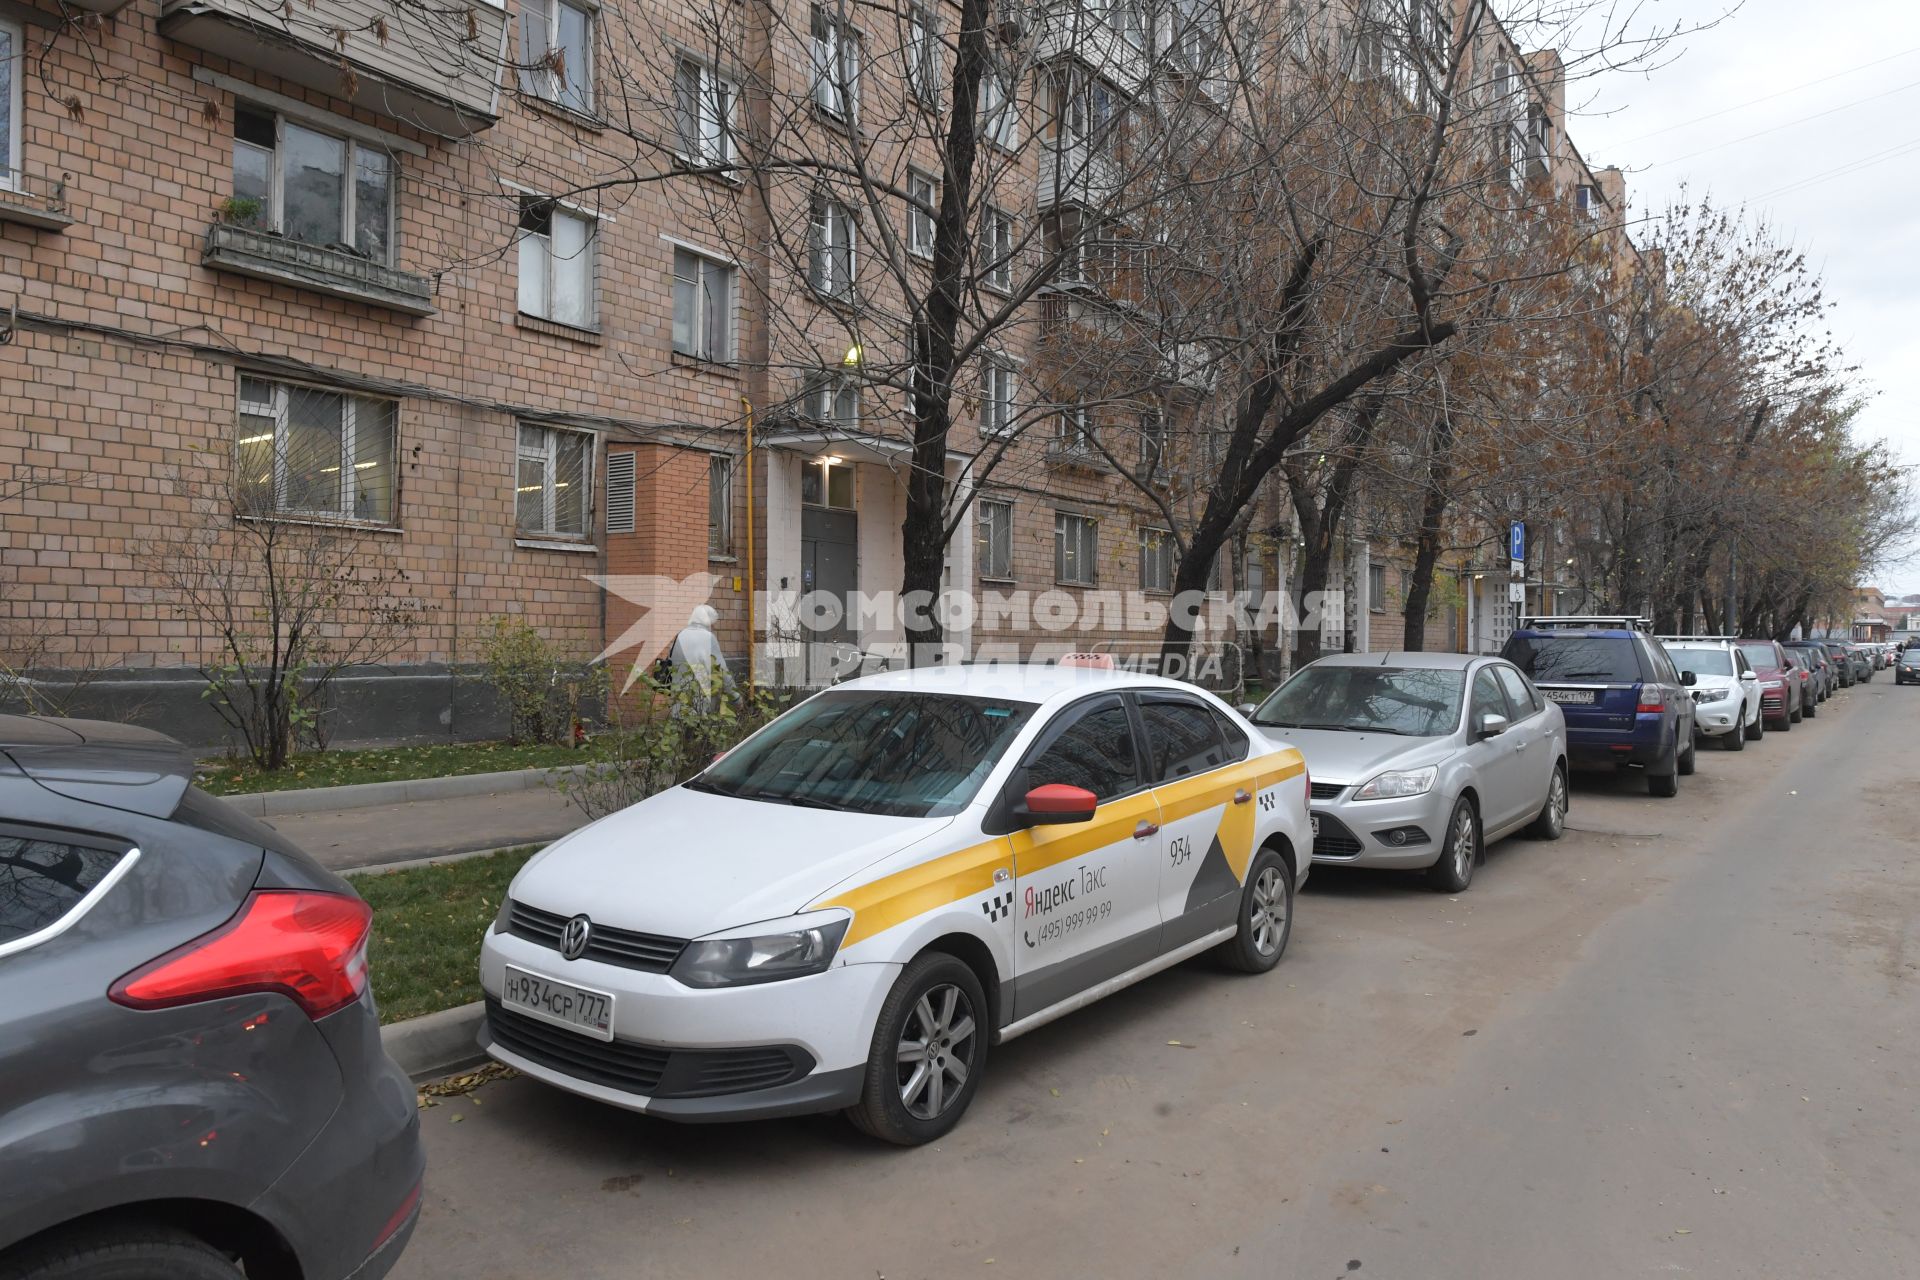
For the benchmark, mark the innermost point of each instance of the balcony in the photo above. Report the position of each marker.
(437, 67)
(1074, 173)
(264, 256)
(32, 201)
(1075, 455)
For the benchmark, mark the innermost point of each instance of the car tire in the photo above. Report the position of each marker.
(114, 1253)
(1665, 785)
(1453, 873)
(1809, 710)
(1794, 716)
(918, 1109)
(1551, 822)
(1266, 917)
(1685, 763)
(1757, 730)
(1734, 740)
(1783, 725)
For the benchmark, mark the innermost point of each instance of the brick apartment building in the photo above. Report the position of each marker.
(366, 271)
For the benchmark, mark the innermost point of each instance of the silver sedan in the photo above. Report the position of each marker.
(1421, 760)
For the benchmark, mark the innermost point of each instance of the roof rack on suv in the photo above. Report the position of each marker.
(1678, 639)
(1580, 620)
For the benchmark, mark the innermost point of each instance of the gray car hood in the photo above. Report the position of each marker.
(1348, 758)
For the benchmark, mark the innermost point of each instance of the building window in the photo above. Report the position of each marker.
(1129, 21)
(1084, 110)
(304, 451)
(923, 196)
(1076, 549)
(996, 396)
(1586, 200)
(310, 186)
(996, 249)
(702, 307)
(836, 65)
(831, 249)
(12, 46)
(833, 398)
(1073, 429)
(556, 263)
(1377, 588)
(703, 113)
(922, 54)
(720, 507)
(553, 486)
(1156, 560)
(996, 540)
(556, 53)
(827, 482)
(1153, 439)
(999, 111)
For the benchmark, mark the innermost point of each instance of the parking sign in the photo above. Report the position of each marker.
(1517, 541)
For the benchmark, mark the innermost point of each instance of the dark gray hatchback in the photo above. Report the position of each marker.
(192, 1085)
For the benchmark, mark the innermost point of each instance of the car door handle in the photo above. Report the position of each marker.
(1242, 795)
(1146, 829)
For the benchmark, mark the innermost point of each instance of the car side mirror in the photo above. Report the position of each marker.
(1490, 725)
(1055, 802)
(1689, 679)
(1748, 677)
(1247, 709)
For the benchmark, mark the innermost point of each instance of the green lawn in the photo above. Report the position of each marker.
(228, 777)
(427, 926)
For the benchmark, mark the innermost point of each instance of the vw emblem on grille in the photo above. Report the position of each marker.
(574, 938)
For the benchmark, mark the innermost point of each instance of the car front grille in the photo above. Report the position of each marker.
(1334, 840)
(646, 952)
(645, 1069)
(1772, 701)
(1325, 790)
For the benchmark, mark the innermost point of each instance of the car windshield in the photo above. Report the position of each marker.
(1760, 655)
(1551, 658)
(1416, 702)
(902, 754)
(1702, 662)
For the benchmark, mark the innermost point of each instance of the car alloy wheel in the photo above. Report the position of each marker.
(1552, 822)
(1270, 911)
(1454, 871)
(935, 1054)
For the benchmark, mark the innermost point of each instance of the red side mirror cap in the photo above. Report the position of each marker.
(1060, 802)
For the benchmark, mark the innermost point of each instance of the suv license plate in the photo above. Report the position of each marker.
(559, 1002)
(1568, 695)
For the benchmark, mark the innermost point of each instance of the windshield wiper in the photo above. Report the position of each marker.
(1578, 675)
(711, 788)
(808, 802)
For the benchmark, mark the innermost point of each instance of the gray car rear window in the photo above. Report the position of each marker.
(42, 879)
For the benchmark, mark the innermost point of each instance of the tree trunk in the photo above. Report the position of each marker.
(925, 528)
(1426, 556)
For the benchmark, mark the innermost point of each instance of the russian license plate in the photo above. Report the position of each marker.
(1314, 819)
(1568, 695)
(559, 1002)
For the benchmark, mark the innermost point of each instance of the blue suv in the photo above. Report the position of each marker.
(1624, 701)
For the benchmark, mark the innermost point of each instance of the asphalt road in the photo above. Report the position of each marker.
(1679, 1041)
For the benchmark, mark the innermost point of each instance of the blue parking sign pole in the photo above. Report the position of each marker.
(1517, 540)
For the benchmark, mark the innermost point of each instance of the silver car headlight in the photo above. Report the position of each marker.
(1399, 784)
(768, 952)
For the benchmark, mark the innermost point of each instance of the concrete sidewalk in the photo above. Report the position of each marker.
(365, 837)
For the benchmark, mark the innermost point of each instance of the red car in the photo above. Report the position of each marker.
(1780, 700)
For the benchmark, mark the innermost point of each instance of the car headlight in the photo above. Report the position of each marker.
(1773, 684)
(500, 916)
(1399, 784)
(790, 949)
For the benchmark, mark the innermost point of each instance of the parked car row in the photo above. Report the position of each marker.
(847, 911)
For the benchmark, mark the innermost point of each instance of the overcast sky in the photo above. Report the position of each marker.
(1836, 167)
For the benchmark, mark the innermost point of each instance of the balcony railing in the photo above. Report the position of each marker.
(264, 256)
(33, 201)
(435, 66)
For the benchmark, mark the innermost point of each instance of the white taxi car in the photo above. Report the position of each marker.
(847, 909)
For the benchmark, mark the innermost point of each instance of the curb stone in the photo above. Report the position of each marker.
(367, 795)
(436, 1044)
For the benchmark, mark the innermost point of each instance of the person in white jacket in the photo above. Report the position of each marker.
(697, 659)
